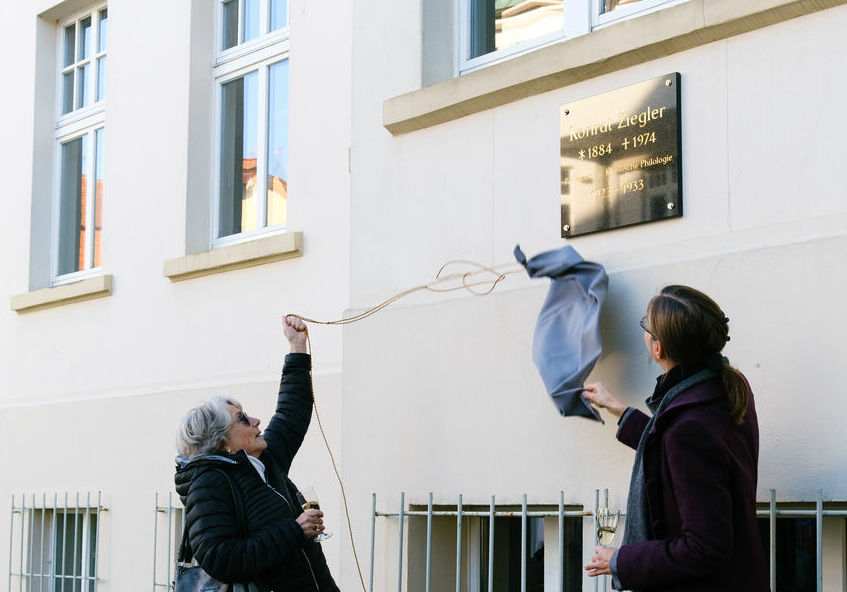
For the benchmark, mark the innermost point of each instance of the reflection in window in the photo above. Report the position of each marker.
(277, 143)
(72, 206)
(279, 14)
(239, 131)
(610, 5)
(79, 216)
(497, 24)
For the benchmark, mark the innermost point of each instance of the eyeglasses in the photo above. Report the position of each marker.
(241, 417)
(643, 324)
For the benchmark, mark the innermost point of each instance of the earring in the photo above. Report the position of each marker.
(229, 450)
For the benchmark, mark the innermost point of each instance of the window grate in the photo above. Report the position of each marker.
(168, 524)
(817, 510)
(53, 542)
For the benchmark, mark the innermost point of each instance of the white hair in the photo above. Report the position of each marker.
(204, 429)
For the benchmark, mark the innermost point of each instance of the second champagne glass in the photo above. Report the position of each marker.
(607, 525)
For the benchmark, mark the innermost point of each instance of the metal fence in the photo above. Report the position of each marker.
(53, 542)
(601, 583)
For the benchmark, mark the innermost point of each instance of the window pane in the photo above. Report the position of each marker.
(68, 561)
(239, 131)
(70, 43)
(277, 143)
(101, 78)
(68, 92)
(230, 24)
(83, 86)
(99, 141)
(84, 50)
(279, 14)
(71, 255)
(104, 29)
(92, 549)
(497, 24)
(610, 5)
(251, 19)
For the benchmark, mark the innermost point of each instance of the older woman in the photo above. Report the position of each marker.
(270, 541)
(691, 512)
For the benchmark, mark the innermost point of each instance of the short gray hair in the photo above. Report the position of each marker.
(204, 429)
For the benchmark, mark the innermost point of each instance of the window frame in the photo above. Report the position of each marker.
(256, 55)
(84, 121)
(579, 17)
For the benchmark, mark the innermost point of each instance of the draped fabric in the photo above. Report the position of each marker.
(566, 343)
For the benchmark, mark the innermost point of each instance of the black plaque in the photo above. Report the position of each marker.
(621, 154)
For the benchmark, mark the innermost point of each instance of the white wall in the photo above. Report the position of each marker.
(93, 391)
(459, 405)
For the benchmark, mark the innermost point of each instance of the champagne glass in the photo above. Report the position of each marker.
(311, 503)
(607, 525)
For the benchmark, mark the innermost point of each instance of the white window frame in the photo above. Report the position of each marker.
(256, 55)
(79, 122)
(579, 17)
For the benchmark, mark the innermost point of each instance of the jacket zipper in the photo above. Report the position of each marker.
(303, 551)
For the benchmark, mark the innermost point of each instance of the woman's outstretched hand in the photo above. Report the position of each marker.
(295, 333)
(599, 564)
(599, 396)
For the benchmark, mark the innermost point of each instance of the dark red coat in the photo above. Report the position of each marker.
(700, 472)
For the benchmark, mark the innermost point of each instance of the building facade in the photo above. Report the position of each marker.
(416, 133)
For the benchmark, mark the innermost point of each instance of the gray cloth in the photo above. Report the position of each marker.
(637, 518)
(566, 343)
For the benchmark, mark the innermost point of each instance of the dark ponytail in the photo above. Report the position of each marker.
(693, 330)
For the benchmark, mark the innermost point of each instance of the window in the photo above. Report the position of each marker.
(515, 555)
(495, 29)
(251, 76)
(80, 142)
(55, 543)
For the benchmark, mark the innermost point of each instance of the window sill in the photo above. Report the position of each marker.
(612, 48)
(94, 287)
(285, 245)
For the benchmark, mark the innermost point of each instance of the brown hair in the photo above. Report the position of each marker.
(693, 330)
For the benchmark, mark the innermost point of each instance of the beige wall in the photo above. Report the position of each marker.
(460, 406)
(93, 391)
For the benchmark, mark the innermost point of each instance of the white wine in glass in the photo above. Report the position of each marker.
(312, 503)
(607, 525)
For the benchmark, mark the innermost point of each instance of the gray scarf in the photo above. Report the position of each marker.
(637, 519)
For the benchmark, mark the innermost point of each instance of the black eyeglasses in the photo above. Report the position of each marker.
(241, 417)
(644, 325)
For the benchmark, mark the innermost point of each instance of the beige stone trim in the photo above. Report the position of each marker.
(255, 252)
(622, 45)
(94, 287)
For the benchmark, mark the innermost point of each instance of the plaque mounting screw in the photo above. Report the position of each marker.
(668, 82)
(671, 206)
(566, 227)
(567, 112)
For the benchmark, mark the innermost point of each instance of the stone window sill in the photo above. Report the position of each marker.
(285, 245)
(622, 45)
(94, 287)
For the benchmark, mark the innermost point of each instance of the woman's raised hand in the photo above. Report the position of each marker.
(295, 333)
(599, 396)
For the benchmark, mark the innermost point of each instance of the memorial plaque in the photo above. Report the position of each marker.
(620, 157)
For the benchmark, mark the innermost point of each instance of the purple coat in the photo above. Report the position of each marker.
(700, 472)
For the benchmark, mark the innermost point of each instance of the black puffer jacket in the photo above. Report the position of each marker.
(275, 554)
